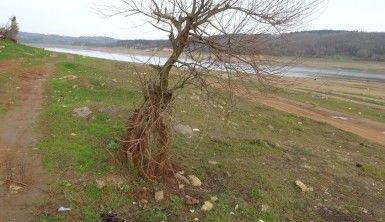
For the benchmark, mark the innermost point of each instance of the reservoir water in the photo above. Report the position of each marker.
(291, 71)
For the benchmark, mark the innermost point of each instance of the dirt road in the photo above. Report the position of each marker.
(22, 178)
(368, 129)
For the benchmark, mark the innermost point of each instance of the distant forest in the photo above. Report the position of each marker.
(325, 43)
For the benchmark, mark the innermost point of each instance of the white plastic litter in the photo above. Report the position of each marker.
(63, 209)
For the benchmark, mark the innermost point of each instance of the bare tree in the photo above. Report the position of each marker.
(214, 43)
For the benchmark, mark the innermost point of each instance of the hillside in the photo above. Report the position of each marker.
(36, 38)
(324, 43)
(249, 167)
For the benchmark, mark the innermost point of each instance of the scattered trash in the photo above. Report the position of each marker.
(303, 187)
(63, 209)
(192, 210)
(207, 206)
(73, 134)
(236, 207)
(232, 213)
(1, 183)
(195, 181)
(159, 195)
(196, 219)
(181, 186)
(196, 130)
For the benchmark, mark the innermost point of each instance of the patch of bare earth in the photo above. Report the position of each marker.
(22, 178)
(368, 129)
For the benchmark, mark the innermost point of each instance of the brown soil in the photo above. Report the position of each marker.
(21, 172)
(368, 129)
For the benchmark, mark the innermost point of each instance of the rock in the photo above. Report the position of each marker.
(207, 206)
(159, 195)
(303, 187)
(15, 188)
(212, 162)
(264, 208)
(214, 198)
(185, 130)
(270, 127)
(195, 181)
(100, 184)
(63, 209)
(182, 178)
(191, 200)
(70, 77)
(180, 186)
(82, 112)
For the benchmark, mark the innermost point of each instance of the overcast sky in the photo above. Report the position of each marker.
(77, 18)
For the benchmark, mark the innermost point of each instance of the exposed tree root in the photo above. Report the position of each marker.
(147, 142)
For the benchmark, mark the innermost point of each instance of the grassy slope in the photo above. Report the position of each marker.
(260, 156)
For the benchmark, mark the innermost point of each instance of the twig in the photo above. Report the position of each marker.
(18, 182)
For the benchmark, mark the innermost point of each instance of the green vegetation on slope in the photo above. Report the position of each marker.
(260, 155)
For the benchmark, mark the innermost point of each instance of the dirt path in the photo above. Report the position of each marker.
(22, 178)
(368, 129)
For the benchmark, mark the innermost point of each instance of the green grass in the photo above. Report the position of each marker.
(260, 155)
(9, 50)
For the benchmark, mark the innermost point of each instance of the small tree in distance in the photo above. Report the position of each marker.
(214, 42)
(10, 31)
(13, 29)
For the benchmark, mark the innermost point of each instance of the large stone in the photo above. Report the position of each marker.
(195, 181)
(207, 206)
(159, 195)
(82, 112)
(185, 130)
(303, 187)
